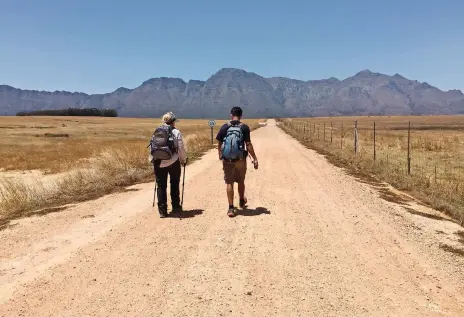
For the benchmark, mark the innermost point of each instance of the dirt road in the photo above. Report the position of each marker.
(312, 242)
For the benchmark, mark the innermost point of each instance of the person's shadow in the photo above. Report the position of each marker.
(247, 212)
(187, 213)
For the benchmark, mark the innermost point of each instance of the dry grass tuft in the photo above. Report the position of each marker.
(460, 234)
(451, 249)
(17, 196)
(426, 215)
(56, 135)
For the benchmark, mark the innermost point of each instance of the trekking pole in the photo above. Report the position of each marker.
(154, 194)
(183, 184)
(156, 185)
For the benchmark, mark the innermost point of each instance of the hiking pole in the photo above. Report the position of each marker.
(154, 194)
(183, 184)
(156, 184)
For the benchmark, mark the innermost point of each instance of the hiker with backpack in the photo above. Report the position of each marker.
(233, 148)
(167, 153)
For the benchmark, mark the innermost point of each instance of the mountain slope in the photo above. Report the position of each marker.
(366, 93)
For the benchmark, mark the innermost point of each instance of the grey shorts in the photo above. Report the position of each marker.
(234, 171)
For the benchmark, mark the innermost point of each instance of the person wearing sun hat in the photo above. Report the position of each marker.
(170, 167)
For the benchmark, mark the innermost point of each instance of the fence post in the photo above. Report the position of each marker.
(212, 135)
(331, 132)
(409, 148)
(304, 132)
(356, 136)
(324, 132)
(375, 153)
(341, 138)
(318, 138)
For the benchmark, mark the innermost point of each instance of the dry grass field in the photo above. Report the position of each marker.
(50, 161)
(436, 150)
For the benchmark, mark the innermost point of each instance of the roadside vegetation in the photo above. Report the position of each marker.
(433, 146)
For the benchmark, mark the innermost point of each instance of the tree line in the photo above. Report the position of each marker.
(89, 112)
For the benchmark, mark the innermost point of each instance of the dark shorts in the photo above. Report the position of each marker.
(234, 171)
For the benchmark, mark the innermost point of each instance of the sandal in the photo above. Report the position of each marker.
(231, 212)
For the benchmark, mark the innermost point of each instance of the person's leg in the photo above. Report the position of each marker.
(230, 194)
(240, 173)
(229, 176)
(241, 190)
(175, 172)
(162, 183)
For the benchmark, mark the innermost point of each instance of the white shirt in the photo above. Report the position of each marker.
(181, 153)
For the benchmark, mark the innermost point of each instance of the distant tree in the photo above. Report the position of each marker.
(89, 112)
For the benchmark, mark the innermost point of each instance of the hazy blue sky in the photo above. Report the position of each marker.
(100, 45)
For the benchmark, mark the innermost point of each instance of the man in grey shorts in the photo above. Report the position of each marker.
(235, 170)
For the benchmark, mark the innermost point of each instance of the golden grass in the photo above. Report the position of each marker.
(58, 144)
(99, 156)
(436, 152)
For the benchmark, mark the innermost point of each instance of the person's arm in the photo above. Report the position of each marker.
(219, 149)
(219, 138)
(249, 146)
(251, 150)
(181, 149)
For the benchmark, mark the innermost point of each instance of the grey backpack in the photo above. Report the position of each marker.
(233, 146)
(162, 143)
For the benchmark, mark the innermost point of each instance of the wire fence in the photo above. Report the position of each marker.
(428, 151)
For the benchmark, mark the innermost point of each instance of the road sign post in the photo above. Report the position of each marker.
(211, 124)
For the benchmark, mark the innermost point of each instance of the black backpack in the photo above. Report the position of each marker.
(162, 144)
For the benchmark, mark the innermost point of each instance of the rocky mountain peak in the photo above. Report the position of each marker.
(366, 93)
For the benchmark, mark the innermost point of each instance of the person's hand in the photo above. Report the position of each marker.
(255, 163)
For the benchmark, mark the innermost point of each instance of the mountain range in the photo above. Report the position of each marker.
(366, 93)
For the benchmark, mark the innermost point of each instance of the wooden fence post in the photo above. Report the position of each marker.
(324, 131)
(331, 132)
(409, 148)
(375, 153)
(356, 136)
(341, 138)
